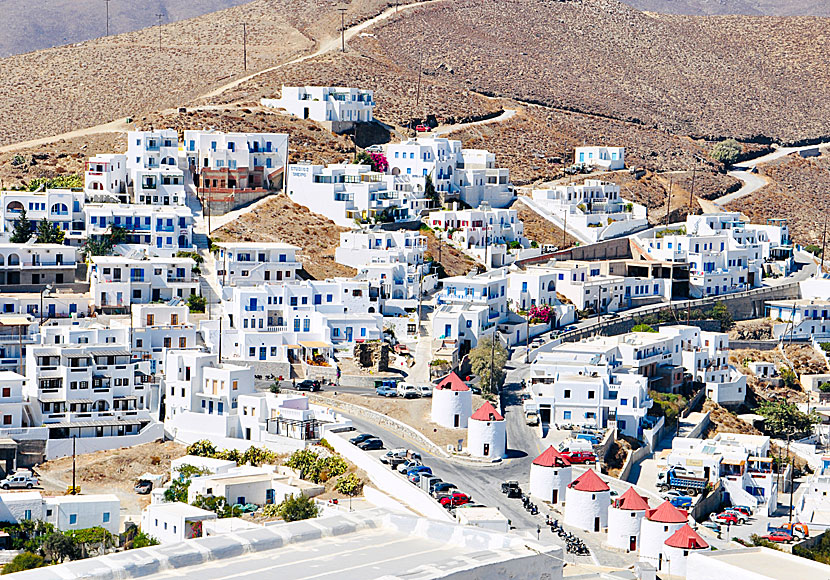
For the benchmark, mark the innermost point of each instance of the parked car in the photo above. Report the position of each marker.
(361, 438)
(408, 464)
(419, 469)
(778, 536)
(747, 510)
(423, 128)
(308, 385)
(424, 390)
(143, 487)
(476, 390)
(407, 391)
(580, 456)
(683, 502)
(714, 526)
(442, 487)
(394, 455)
(727, 518)
(370, 444)
(511, 489)
(536, 343)
(456, 498)
(387, 391)
(20, 480)
(374, 149)
(739, 510)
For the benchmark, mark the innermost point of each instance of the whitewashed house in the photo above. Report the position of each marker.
(175, 522)
(222, 162)
(338, 108)
(603, 158)
(153, 165)
(254, 263)
(725, 254)
(267, 417)
(468, 175)
(79, 512)
(63, 208)
(164, 229)
(347, 193)
(14, 411)
(157, 328)
(106, 178)
(37, 265)
(595, 209)
(117, 282)
(802, 319)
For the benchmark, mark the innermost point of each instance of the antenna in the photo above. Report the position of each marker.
(107, 2)
(245, 46)
(342, 11)
(159, 16)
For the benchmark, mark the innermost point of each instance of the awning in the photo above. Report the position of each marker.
(293, 346)
(106, 423)
(15, 320)
(727, 461)
(315, 344)
(761, 459)
(110, 353)
(67, 401)
(77, 354)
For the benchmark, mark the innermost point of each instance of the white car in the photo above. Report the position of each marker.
(21, 480)
(424, 390)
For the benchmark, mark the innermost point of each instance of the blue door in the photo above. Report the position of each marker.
(262, 350)
(51, 311)
(447, 330)
(348, 334)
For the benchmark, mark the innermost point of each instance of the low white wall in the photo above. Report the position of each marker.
(390, 481)
(56, 448)
(382, 500)
(274, 443)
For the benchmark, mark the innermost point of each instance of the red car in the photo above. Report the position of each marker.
(726, 518)
(423, 128)
(455, 499)
(580, 456)
(778, 537)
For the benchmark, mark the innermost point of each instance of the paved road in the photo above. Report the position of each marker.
(447, 129)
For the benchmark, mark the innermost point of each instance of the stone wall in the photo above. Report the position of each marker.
(373, 356)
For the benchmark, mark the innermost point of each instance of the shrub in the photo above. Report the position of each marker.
(24, 561)
(196, 303)
(297, 508)
(759, 541)
(727, 152)
(824, 387)
(643, 328)
(142, 540)
(271, 510)
(349, 485)
(316, 468)
(202, 448)
(813, 249)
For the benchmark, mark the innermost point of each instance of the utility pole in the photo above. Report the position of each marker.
(492, 357)
(692, 192)
(792, 470)
(668, 207)
(159, 16)
(565, 232)
(342, 29)
(823, 247)
(107, 2)
(74, 489)
(245, 46)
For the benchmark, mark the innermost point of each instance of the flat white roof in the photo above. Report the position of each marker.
(763, 563)
(82, 498)
(179, 509)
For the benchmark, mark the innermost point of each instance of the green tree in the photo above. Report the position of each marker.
(141, 540)
(218, 505)
(362, 158)
(481, 358)
(196, 303)
(783, 419)
(22, 229)
(813, 249)
(430, 192)
(643, 328)
(24, 561)
(48, 233)
(117, 235)
(349, 485)
(59, 547)
(788, 377)
(297, 508)
(303, 461)
(727, 152)
(720, 312)
(201, 448)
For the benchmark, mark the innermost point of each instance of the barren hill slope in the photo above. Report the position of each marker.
(739, 76)
(47, 23)
(59, 89)
(750, 7)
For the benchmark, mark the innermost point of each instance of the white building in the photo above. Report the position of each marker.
(452, 403)
(470, 307)
(156, 328)
(468, 175)
(751, 564)
(174, 522)
(657, 527)
(152, 150)
(347, 193)
(486, 234)
(339, 108)
(803, 319)
(37, 265)
(62, 208)
(201, 395)
(78, 512)
(625, 517)
(236, 161)
(165, 229)
(603, 158)
(725, 254)
(106, 178)
(16, 507)
(587, 384)
(595, 209)
(14, 412)
(550, 474)
(268, 417)
(254, 263)
(586, 502)
(813, 506)
(283, 323)
(117, 282)
(487, 433)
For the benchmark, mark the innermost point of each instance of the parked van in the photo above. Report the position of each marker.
(424, 390)
(408, 391)
(532, 418)
(576, 445)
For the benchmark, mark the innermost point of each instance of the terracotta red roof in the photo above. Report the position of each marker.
(453, 383)
(631, 500)
(668, 514)
(589, 481)
(687, 539)
(487, 412)
(550, 457)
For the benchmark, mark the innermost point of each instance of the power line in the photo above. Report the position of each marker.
(159, 16)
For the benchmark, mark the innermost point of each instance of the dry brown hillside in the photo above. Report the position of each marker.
(798, 190)
(55, 90)
(733, 76)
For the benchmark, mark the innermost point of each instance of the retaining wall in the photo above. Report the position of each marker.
(56, 448)
(633, 458)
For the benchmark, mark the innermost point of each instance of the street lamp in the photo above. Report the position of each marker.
(46, 290)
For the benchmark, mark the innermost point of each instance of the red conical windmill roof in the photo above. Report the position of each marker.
(453, 383)
(631, 500)
(668, 514)
(487, 412)
(686, 539)
(589, 481)
(550, 457)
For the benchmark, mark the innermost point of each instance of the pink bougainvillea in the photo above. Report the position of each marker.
(379, 162)
(540, 314)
